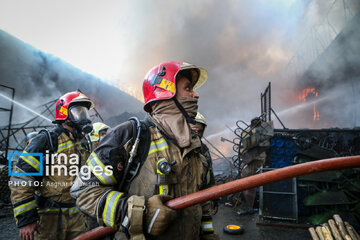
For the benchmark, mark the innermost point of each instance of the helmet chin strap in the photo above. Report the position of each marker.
(189, 119)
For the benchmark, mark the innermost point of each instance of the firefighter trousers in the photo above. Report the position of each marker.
(60, 225)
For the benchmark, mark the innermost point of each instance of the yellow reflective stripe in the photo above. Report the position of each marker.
(65, 146)
(207, 226)
(104, 176)
(208, 177)
(62, 144)
(161, 140)
(114, 209)
(97, 160)
(32, 162)
(24, 207)
(159, 149)
(110, 207)
(107, 206)
(102, 180)
(34, 159)
(164, 189)
(73, 210)
(158, 145)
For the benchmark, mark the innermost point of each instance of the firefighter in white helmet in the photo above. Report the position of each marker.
(99, 131)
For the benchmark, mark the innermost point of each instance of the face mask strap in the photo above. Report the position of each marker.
(189, 119)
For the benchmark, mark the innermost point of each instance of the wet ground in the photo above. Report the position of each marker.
(252, 231)
(8, 229)
(225, 216)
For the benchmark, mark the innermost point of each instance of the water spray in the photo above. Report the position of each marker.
(25, 107)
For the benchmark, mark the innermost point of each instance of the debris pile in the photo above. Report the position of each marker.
(334, 229)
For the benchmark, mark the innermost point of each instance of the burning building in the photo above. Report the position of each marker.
(331, 84)
(327, 93)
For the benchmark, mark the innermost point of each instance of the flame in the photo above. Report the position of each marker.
(316, 114)
(311, 93)
(305, 93)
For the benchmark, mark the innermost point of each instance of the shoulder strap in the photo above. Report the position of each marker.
(142, 150)
(145, 139)
(52, 137)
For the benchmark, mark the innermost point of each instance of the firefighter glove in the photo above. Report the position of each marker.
(158, 216)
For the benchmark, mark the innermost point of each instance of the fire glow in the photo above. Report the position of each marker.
(308, 94)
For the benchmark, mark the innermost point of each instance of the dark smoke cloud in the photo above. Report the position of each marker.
(243, 45)
(336, 74)
(38, 78)
(239, 43)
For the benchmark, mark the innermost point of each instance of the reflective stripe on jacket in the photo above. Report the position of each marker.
(55, 182)
(103, 200)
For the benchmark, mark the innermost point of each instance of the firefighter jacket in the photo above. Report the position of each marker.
(210, 178)
(50, 189)
(101, 197)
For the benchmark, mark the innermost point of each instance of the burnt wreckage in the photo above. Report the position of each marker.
(308, 199)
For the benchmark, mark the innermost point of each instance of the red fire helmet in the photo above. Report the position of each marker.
(160, 81)
(69, 99)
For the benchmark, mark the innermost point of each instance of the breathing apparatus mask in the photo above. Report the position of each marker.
(80, 120)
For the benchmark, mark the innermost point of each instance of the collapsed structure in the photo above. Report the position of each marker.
(317, 197)
(328, 89)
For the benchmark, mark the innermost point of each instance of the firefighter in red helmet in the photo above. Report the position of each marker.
(169, 164)
(43, 207)
(72, 110)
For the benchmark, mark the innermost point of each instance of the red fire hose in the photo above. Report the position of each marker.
(243, 184)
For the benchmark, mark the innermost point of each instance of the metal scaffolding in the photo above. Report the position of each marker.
(6, 133)
(320, 36)
(13, 135)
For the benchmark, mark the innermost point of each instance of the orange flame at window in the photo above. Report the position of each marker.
(306, 92)
(309, 94)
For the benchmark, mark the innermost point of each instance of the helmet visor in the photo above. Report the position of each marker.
(79, 113)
